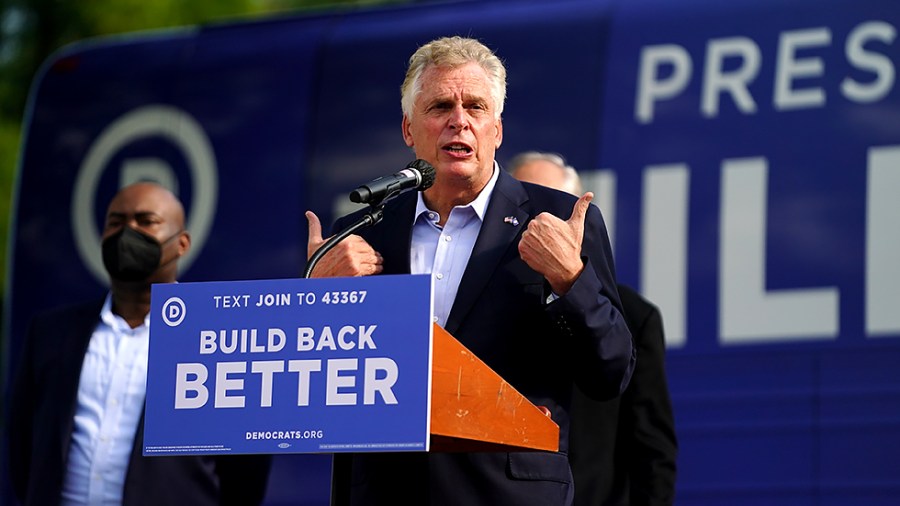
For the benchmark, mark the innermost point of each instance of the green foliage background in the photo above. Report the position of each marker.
(31, 30)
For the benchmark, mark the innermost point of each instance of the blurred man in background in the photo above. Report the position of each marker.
(77, 413)
(623, 450)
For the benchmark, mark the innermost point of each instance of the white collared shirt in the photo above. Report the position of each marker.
(444, 252)
(111, 393)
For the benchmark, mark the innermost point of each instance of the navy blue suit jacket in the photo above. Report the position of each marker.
(500, 314)
(44, 399)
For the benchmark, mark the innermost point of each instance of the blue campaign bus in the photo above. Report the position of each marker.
(746, 156)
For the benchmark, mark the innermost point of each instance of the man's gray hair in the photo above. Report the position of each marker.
(452, 52)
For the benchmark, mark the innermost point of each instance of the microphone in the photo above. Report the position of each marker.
(419, 174)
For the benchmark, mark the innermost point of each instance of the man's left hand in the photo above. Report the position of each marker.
(552, 247)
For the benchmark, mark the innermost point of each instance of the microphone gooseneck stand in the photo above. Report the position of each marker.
(379, 193)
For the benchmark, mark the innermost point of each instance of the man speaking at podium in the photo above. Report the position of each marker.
(523, 277)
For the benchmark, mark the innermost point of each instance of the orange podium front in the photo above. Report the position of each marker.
(474, 409)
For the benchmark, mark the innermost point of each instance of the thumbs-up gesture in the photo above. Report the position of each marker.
(353, 256)
(552, 247)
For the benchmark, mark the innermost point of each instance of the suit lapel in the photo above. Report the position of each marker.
(74, 346)
(504, 220)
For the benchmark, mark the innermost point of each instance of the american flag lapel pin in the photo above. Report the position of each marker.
(511, 220)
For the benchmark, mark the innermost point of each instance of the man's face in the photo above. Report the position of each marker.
(152, 211)
(454, 126)
(144, 209)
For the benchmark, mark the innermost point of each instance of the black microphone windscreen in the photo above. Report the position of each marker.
(426, 170)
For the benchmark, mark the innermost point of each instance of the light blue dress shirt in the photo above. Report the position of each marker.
(444, 252)
(110, 402)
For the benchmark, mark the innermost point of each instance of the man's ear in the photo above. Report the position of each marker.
(407, 132)
(184, 243)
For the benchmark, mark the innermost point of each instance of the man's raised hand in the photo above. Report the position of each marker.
(552, 247)
(353, 256)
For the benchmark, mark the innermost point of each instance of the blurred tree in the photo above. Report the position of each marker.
(31, 30)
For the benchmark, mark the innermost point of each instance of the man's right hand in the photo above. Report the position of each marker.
(353, 256)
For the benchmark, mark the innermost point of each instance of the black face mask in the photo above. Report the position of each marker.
(129, 255)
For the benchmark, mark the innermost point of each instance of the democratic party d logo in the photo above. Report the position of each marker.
(173, 311)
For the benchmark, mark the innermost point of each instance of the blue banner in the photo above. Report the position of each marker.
(290, 366)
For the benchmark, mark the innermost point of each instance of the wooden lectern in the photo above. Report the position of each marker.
(473, 409)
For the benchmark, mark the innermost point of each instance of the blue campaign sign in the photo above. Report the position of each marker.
(290, 366)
